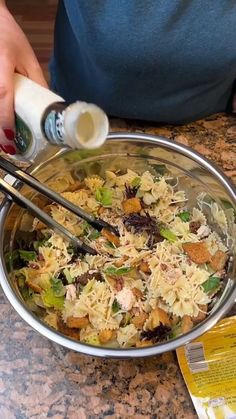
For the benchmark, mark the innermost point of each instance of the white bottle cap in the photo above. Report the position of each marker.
(85, 125)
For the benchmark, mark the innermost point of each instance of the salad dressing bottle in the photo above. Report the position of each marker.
(43, 117)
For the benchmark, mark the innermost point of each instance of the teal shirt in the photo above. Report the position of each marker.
(161, 60)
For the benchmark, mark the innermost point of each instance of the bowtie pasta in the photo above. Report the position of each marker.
(150, 284)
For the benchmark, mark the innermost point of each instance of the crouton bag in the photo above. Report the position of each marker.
(208, 365)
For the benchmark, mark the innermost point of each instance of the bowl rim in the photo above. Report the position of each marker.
(77, 346)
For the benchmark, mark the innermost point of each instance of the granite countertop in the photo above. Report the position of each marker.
(39, 379)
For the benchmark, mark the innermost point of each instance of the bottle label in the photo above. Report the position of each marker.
(24, 137)
(53, 123)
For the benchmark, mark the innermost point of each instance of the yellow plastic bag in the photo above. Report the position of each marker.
(208, 365)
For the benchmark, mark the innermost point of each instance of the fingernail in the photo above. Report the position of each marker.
(9, 149)
(9, 133)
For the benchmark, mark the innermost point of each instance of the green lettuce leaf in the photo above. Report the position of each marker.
(92, 340)
(58, 287)
(115, 306)
(110, 245)
(94, 235)
(104, 196)
(184, 216)
(136, 182)
(51, 300)
(27, 255)
(11, 258)
(68, 276)
(160, 168)
(168, 235)
(211, 284)
(41, 243)
(117, 271)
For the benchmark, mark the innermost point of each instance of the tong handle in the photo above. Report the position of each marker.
(97, 223)
(25, 203)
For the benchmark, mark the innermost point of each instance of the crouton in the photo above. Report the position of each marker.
(34, 287)
(111, 281)
(186, 324)
(131, 205)
(101, 210)
(63, 328)
(136, 292)
(111, 237)
(197, 252)
(26, 222)
(77, 322)
(174, 320)
(163, 316)
(40, 226)
(218, 261)
(105, 335)
(40, 201)
(156, 317)
(138, 321)
(144, 267)
(201, 314)
(48, 208)
(120, 262)
(74, 186)
(143, 343)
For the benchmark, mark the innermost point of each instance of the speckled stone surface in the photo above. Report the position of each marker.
(39, 379)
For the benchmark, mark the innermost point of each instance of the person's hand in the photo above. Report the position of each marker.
(16, 55)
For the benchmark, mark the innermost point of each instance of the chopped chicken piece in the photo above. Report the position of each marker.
(125, 298)
(119, 285)
(172, 275)
(131, 205)
(197, 252)
(70, 292)
(203, 231)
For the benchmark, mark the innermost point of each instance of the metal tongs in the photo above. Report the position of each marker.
(23, 202)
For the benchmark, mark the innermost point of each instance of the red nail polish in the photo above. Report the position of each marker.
(10, 135)
(9, 149)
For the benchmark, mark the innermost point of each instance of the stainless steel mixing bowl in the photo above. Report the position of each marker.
(138, 152)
